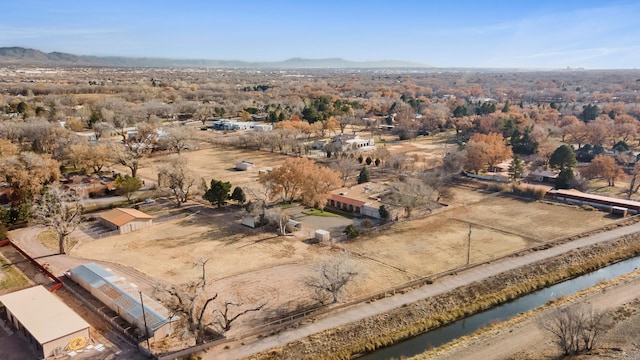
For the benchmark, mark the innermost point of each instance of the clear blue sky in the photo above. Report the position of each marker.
(444, 33)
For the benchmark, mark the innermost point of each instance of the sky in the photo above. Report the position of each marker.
(445, 33)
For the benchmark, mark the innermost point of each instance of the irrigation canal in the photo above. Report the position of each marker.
(440, 336)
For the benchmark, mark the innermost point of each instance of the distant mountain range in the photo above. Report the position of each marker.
(23, 56)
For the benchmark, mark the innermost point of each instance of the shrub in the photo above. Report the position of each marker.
(351, 231)
(531, 193)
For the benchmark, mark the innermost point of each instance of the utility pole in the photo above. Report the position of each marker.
(144, 317)
(469, 246)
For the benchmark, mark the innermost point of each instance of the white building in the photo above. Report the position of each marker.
(47, 323)
(244, 165)
(350, 142)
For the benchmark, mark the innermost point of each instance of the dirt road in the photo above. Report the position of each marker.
(238, 350)
(26, 239)
(506, 341)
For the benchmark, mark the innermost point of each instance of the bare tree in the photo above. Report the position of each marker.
(177, 139)
(225, 318)
(277, 217)
(634, 185)
(101, 129)
(412, 193)
(330, 278)
(347, 168)
(62, 211)
(192, 303)
(136, 147)
(575, 328)
(177, 178)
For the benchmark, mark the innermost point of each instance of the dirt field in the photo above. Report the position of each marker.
(499, 226)
(263, 266)
(219, 163)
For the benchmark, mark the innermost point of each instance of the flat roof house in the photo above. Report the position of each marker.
(45, 321)
(362, 199)
(125, 220)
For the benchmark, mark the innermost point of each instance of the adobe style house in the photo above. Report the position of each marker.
(125, 220)
(43, 320)
(348, 142)
(362, 199)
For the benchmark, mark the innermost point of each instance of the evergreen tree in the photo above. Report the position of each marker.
(384, 213)
(564, 179)
(218, 193)
(238, 195)
(516, 169)
(364, 175)
(460, 111)
(589, 112)
(563, 158)
(506, 107)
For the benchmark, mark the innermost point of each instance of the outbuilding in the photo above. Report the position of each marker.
(46, 323)
(244, 165)
(323, 235)
(293, 226)
(125, 299)
(125, 220)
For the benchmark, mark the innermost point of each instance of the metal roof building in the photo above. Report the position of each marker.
(125, 220)
(47, 323)
(125, 299)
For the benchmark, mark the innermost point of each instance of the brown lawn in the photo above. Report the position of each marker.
(263, 266)
(219, 163)
(499, 226)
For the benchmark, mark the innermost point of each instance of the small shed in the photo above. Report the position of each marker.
(244, 165)
(619, 210)
(45, 321)
(125, 220)
(323, 235)
(250, 221)
(293, 226)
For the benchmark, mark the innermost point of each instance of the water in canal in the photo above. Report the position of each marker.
(468, 325)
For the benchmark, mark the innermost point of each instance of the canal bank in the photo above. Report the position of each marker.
(468, 325)
(522, 337)
(427, 313)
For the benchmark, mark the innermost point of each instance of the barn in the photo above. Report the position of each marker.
(45, 322)
(125, 299)
(125, 220)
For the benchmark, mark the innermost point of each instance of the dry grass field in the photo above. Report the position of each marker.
(263, 266)
(219, 163)
(499, 226)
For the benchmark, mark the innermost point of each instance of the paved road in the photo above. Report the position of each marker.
(360, 311)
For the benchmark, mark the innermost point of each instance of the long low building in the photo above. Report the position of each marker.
(125, 299)
(47, 323)
(598, 201)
